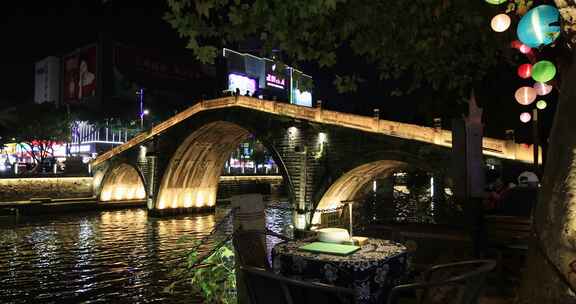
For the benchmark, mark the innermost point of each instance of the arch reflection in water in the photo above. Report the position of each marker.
(123, 183)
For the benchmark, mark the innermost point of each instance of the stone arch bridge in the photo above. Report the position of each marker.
(325, 157)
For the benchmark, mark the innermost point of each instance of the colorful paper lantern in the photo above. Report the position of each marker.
(524, 49)
(543, 71)
(525, 70)
(542, 88)
(541, 104)
(515, 44)
(525, 117)
(500, 23)
(536, 29)
(496, 2)
(525, 95)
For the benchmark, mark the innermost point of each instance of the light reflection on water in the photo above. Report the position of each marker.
(118, 256)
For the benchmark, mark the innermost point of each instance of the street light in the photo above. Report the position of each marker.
(144, 112)
(140, 94)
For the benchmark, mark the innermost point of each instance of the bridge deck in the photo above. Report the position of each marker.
(494, 147)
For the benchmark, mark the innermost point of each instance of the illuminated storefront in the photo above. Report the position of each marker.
(263, 77)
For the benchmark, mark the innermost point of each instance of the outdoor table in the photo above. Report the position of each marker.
(372, 271)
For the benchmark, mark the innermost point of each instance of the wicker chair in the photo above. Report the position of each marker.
(251, 249)
(454, 283)
(265, 287)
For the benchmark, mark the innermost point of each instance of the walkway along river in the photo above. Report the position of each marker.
(120, 256)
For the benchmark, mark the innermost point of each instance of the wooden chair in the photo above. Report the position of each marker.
(265, 287)
(454, 283)
(251, 246)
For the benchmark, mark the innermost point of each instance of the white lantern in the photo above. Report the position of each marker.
(500, 23)
(525, 117)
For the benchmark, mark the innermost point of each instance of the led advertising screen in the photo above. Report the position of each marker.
(275, 79)
(245, 85)
(300, 89)
(270, 79)
(80, 70)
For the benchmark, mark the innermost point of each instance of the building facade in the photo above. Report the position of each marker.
(47, 80)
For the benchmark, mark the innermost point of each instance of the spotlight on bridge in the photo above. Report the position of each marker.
(322, 138)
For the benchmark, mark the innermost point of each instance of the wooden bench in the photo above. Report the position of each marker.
(508, 231)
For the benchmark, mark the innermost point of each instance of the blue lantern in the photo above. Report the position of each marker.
(540, 26)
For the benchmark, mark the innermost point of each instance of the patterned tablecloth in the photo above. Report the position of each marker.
(378, 266)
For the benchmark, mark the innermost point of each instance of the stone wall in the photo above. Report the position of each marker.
(22, 189)
(263, 184)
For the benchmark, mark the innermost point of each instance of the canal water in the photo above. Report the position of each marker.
(120, 256)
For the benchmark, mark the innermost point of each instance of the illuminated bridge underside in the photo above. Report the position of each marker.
(191, 180)
(349, 184)
(494, 147)
(123, 183)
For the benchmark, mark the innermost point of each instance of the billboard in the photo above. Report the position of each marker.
(153, 65)
(80, 75)
(244, 85)
(273, 79)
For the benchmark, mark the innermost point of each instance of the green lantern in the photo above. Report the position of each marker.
(543, 71)
(496, 2)
(541, 104)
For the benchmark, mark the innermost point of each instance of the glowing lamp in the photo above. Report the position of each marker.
(496, 2)
(536, 29)
(500, 23)
(525, 117)
(542, 88)
(543, 71)
(525, 95)
(525, 70)
(541, 104)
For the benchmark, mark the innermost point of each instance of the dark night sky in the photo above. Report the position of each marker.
(36, 29)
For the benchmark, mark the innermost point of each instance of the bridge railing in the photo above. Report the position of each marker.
(495, 147)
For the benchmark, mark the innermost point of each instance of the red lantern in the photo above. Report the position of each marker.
(525, 70)
(516, 44)
(524, 49)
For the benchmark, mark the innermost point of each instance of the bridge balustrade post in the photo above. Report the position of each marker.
(437, 131)
(318, 114)
(376, 125)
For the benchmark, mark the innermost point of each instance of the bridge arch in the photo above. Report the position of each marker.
(123, 182)
(192, 174)
(349, 185)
